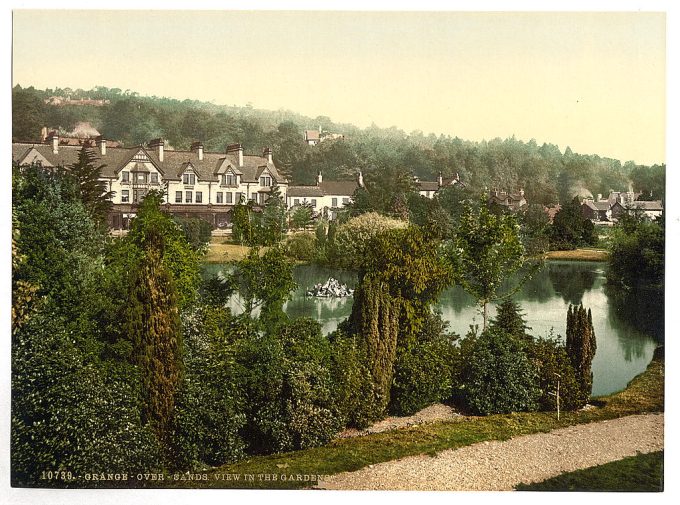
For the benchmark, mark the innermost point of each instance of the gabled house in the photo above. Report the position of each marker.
(512, 201)
(596, 210)
(430, 188)
(196, 183)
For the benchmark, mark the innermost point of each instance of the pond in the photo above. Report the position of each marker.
(623, 350)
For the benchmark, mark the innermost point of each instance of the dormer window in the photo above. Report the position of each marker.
(189, 179)
(126, 176)
(265, 181)
(229, 180)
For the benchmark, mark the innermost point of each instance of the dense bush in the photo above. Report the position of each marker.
(499, 377)
(301, 246)
(209, 413)
(551, 360)
(288, 388)
(422, 372)
(70, 413)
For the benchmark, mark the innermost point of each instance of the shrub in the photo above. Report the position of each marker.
(301, 246)
(499, 377)
(422, 373)
(197, 231)
(209, 413)
(550, 359)
(288, 388)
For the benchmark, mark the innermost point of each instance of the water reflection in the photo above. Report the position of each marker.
(623, 324)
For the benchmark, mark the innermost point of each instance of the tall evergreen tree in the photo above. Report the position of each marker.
(92, 189)
(509, 317)
(581, 347)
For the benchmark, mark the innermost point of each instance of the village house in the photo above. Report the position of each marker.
(512, 201)
(609, 210)
(196, 183)
(325, 197)
(430, 188)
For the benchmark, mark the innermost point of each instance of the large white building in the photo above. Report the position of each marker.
(195, 182)
(325, 197)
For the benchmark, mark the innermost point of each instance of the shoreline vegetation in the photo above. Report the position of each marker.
(644, 394)
(221, 250)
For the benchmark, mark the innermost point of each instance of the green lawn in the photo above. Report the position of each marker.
(644, 394)
(643, 472)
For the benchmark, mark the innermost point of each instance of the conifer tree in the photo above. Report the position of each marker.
(92, 189)
(581, 347)
(510, 318)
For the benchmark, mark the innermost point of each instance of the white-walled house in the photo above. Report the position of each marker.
(325, 197)
(195, 182)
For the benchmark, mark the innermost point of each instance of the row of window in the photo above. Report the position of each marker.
(140, 177)
(188, 196)
(334, 201)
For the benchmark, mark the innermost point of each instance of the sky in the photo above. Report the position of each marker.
(592, 81)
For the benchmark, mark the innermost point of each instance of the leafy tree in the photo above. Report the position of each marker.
(266, 282)
(273, 218)
(301, 246)
(569, 228)
(197, 232)
(486, 251)
(242, 228)
(581, 347)
(28, 114)
(92, 189)
(553, 365)
(535, 229)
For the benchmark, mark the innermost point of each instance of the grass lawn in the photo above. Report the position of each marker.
(642, 473)
(579, 255)
(645, 393)
(222, 251)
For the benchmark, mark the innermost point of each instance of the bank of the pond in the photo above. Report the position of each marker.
(579, 255)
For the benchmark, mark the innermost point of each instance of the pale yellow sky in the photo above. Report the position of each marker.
(592, 81)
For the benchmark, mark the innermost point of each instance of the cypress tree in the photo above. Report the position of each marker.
(92, 190)
(153, 325)
(581, 347)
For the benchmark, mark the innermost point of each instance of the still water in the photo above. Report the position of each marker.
(623, 350)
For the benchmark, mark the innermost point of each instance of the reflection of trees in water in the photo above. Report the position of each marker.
(538, 288)
(456, 299)
(319, 308)
(642, 310)
(307, 276)
(571, 281)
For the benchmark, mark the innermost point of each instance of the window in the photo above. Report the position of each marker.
(229, 180)
(189, 179)
(154, 178)
(199, 197)
(265, 181)
(178, 197)
(230, 197)
(220, 197)
(141, 178)
(296, 201)
(335, 202)
(313, 202)
(126, 176)
(125, 196)
(239, 196)
(138, 195)
(253, 197)
(345, 201)
(188, 197)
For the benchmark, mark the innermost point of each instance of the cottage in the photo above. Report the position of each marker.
(512, 201)
(325, 197)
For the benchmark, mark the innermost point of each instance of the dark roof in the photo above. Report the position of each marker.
(428, 185)
(644, 205)
(304, 191)
(602, 205)
(339, 188)
(172, 167)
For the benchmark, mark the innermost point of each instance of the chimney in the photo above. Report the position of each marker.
(599, 197)
(43, 133)
(236, 148)
(319, 178)
(101, 144)
(521, 192)
(268, 153)
(440, 180)
(361, 179)
(158, 144)
(198, 147)
(53, 137)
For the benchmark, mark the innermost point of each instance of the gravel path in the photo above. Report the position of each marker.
(499, 466)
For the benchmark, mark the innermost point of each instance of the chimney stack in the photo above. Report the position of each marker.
(268, 153)
(440, 180)
(198, 147)
(101, 144)
(361, 179)
(158, 145)
(43, 134)
(53, 137)
(521, 192)
(236, 148)
(319, 178)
